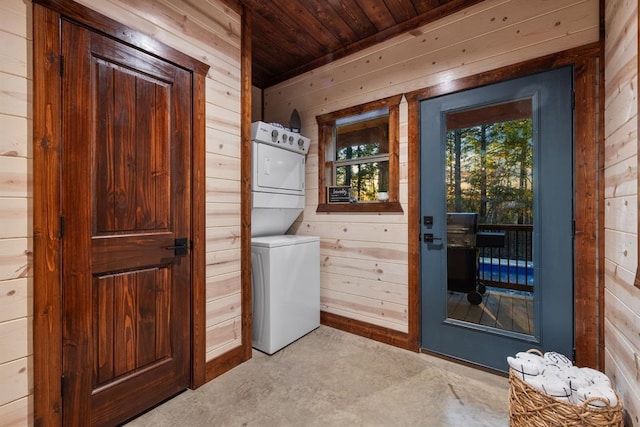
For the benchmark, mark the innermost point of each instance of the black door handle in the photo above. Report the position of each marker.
(428, 238)
(180, 247)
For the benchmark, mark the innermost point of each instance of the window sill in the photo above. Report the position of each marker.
(371, 207)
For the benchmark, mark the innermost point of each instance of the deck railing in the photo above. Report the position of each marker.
(510, 266)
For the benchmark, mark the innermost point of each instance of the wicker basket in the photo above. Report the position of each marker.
(529, 407)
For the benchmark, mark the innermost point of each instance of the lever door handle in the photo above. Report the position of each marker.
(429, 238)
(180, 247)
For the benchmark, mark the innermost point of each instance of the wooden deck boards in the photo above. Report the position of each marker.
(497, 309)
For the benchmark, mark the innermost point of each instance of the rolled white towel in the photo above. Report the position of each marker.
(558, 359)
(525, 367)
(596, 377)
(551, 386)
(531, 356)
(576, 378)
(554, 370)
(604, 394)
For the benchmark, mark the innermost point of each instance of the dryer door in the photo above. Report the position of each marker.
(276, 170)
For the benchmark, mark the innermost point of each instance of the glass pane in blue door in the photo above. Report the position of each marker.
(490, 211)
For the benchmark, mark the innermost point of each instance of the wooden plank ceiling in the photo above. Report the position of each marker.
(290, 37)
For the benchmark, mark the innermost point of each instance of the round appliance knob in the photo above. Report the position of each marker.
(274, 135)
(290, 140)
(300, 143)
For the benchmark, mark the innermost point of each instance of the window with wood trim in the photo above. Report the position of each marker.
(359, 146)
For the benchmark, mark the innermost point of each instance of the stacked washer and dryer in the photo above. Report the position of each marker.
(286, 268)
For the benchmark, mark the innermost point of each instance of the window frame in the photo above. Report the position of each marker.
(326, 127)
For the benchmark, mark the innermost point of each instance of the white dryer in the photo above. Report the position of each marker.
(285, 268)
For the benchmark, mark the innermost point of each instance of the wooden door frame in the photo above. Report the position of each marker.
(588, 188)
(47, 298)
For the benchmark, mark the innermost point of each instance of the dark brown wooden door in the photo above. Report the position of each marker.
(126, 198)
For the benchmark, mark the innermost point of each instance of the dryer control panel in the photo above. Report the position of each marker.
(279, 136)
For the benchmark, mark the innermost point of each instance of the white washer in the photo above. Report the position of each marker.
(286, 289)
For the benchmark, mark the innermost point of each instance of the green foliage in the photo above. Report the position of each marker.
(489, 171)
(364, 178)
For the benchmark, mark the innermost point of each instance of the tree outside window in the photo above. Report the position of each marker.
(359, 146)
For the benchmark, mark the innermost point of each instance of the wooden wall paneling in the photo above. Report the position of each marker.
(47, 343)
(636, 282)
(449, 50)
(621, 272)
(365, 250)
(17, 412)
(223, 167)
(588, 236)
(223, 285)
(619, 178)
(373, 270)
(227, 336)
(222, 119)
(16, 218)
(247, 296)
(14, 93)
(15, 131)
(222, 238)
(393, 315)
(375, 289)
(16, 342)
(621, 367)
(223, 362)
(16, 256)
(224, 308)
(223, 143)
(413, 226)
(223, 214)
(16, 375)
(223, 262)
(198, 235)
(223, 190)
(16, 297)
(15, 183)
(384, 232)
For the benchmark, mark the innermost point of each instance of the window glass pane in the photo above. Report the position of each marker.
(489, 177)
(366, 179)
(362, 135)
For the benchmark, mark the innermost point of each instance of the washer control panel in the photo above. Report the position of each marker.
(277, 135)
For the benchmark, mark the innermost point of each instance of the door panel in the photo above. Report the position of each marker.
(477, 330)
(125, 199)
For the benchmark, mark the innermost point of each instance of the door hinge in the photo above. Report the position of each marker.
(61, 231)
(573, 228)
(62, 385)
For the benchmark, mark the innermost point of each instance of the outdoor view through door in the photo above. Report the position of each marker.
(496, 190)
(489, 178)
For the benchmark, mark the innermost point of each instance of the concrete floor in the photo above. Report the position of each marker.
(332, 378)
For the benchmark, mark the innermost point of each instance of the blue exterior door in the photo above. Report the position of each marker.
(497, 219)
